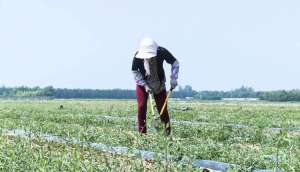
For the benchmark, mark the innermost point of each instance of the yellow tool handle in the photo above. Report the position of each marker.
(165, 103)
(151, 104)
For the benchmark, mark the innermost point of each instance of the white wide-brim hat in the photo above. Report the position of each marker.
(147, 49)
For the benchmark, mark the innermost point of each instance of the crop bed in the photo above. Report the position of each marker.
(212, 138)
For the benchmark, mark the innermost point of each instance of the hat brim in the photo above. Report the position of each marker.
(145, 55)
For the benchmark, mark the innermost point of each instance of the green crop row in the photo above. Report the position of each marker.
(250, 148)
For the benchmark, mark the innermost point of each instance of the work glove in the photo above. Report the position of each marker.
(148, 89)
(173, 83)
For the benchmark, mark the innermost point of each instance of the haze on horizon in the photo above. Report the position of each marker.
(221, 45)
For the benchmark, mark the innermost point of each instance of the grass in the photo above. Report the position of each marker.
(33, 154)
(250, 148)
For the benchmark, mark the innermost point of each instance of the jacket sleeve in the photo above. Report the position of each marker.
(138, 77)
(173, 61)
(175, 70)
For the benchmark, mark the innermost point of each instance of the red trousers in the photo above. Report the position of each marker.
(142, 97)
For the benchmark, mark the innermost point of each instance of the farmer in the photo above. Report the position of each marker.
(147, 68)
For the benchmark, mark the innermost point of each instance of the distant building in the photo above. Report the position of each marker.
(240, 99)
(189, 98)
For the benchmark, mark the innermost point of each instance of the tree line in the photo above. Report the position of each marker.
(182, 92)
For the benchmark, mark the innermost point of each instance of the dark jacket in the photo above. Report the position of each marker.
(162, 54)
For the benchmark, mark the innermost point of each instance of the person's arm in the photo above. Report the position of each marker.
(138, 77)
(175, 70)
(174, 66)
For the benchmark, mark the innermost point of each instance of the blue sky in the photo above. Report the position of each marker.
(220, 45)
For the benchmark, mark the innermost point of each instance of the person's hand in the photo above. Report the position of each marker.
(148, 89)
(173, 83)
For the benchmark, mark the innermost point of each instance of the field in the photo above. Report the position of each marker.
(248, 135)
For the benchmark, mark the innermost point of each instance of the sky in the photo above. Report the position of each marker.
(220, 45)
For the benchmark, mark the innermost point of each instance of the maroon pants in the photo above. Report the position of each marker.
(142, 97)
